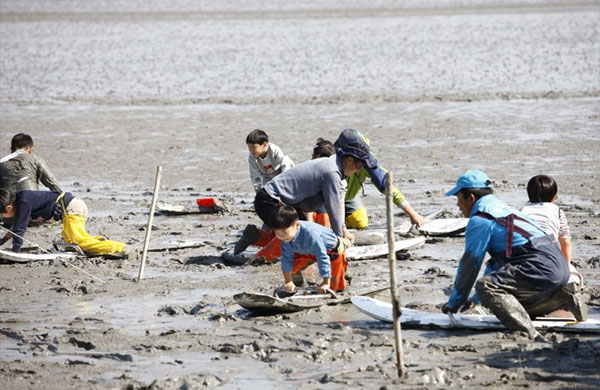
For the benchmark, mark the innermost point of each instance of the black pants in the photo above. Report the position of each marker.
(529, 286)
(264, 205)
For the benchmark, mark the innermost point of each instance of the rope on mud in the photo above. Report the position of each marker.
(47, 251)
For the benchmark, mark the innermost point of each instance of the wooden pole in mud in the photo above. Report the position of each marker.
(393, 284)
(150, 218)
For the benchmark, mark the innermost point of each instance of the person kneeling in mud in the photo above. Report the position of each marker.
(308, 187)
(303, 243)
(24, 205)
(527, 274)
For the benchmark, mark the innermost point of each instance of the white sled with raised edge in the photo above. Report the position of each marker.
(444, 226)
(382, 311)
(30, 257)
(380, 250)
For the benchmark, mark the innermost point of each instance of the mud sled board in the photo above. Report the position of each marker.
(437, 227)
(406, 226)
(353, 253)
(444, 227)
(201, 206)
(380, 250)
(367, 237)
(382, 311)
(268, 304)
(29, 257)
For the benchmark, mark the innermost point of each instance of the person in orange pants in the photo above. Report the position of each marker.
(312, 185)
(339, 264)
(271, 245)
(314, 243)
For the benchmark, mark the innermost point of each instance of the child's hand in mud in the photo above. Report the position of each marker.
(289, 287)
(322, 289)
(348, 238)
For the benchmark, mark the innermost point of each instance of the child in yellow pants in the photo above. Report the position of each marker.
(25, 205)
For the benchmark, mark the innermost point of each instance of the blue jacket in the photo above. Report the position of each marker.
(485, 235)
(311, 239)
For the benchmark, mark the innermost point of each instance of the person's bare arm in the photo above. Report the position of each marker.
(565, 247)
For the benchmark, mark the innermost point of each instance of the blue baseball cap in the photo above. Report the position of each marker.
(473, 178)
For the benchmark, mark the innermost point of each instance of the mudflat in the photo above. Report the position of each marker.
(109, 93)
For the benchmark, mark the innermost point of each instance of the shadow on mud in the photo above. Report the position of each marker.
(204, 260)
(571, 360)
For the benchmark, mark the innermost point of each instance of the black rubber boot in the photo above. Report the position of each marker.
(298, 279)
(250, 235)
(575, 302)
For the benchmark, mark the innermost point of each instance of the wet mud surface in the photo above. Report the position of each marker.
(180, 327)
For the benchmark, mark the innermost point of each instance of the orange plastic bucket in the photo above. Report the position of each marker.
(206, 202)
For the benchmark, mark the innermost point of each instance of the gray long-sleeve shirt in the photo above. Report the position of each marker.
(21, 171)
(312, 185)
(264, 169)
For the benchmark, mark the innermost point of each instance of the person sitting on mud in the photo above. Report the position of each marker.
(23, 170)
(527, 274)
(542, 191)
(266, 160)
(356, 213)
(302, 244)
(24, 205)
(309, 186)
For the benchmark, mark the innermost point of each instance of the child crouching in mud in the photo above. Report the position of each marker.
(303, 243)
(25, 205)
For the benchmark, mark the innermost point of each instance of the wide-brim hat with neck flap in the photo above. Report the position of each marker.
(352, 143)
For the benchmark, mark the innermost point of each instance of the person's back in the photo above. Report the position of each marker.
(542, 191)
(22, 170)
(527, 272)
(547, 215)
(483, 230)
(312, 185)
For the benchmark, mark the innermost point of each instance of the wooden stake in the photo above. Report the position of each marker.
(150, 218)
(393, 284)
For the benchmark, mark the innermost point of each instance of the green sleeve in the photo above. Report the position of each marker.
(355, 184)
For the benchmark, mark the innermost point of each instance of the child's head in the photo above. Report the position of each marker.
(7, 203)
(284, 222)
(20, 141)
(258, 143)
(323, 148)
(542, 188)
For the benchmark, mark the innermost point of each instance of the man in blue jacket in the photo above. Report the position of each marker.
(527, 274)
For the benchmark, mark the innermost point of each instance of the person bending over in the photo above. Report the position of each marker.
(527, 273)
(303, 243)
(25, 205)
